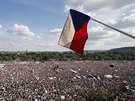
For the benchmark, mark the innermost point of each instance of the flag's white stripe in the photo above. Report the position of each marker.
(67, 33)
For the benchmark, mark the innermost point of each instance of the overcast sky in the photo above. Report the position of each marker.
(35, 25)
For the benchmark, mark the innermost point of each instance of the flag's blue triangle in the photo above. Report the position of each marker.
(78, 18)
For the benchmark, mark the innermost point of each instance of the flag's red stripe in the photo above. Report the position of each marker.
(79, 39)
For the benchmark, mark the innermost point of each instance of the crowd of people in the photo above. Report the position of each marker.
(62, 80)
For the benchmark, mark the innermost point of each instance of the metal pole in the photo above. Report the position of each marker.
(114, 29)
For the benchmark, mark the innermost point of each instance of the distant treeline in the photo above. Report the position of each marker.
(65, 56)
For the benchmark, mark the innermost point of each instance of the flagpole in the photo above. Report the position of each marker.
(114, 29)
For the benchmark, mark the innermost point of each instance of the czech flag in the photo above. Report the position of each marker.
(74, 34)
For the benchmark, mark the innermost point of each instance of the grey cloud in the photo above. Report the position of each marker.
(126, 21)
(93, 5)
(100, 33)
(101, 4)
(21, 31)
(56, 31)
(0, 26)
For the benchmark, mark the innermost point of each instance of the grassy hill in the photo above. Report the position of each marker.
(123, 50)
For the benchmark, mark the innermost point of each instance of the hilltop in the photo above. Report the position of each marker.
(122, 50)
